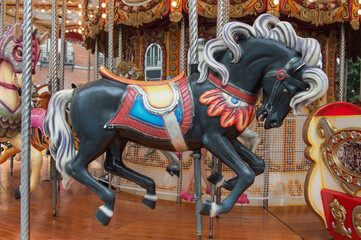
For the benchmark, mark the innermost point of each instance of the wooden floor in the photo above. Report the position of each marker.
(132, 220)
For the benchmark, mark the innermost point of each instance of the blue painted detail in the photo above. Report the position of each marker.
(179, 113)
(234, 100)
(141, 114)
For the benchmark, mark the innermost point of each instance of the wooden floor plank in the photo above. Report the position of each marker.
(134, 221)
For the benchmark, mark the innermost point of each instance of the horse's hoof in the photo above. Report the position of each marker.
(17, 194)
(176, 172)
(150, 200)
(216, 178)
(170, 171)
(209, 208)
(103, 218)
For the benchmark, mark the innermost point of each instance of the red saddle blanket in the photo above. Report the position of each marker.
(155, 109)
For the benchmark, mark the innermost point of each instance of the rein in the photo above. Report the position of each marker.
(8, 86)
(282, 75)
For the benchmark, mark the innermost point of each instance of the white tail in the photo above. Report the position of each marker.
(61, 143)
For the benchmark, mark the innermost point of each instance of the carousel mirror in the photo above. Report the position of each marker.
(153, 63)
(349, 156)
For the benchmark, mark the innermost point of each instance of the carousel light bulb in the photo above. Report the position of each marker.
(359, 1)
(79, 31)
(174, 4)
(276, 2)
(91, 15)
(79, 22)
(69, 11)
(80, 6)
(67, 21)
(104, 15)
(79, 13)
(103, 5)
(67, 31)
(359, 12)
(42, 10)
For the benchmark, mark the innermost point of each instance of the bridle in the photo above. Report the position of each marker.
(282, 75)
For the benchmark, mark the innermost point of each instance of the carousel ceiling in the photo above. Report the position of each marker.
(86, 19)
(42, 15)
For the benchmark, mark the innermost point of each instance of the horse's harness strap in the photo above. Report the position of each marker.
(233, 90)
(281, 76)
(8, 86)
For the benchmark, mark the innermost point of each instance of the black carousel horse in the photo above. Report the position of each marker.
(208, 110)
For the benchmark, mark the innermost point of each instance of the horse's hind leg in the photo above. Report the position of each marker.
(36, 161)
(222, 148)
(174, 163)
(114, 164)
(77, 168)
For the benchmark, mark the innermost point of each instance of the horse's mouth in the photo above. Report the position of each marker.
(262, 117)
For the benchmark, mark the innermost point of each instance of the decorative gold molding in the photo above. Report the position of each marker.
(318, 13)
(175, 16)
(356, 219)
(238, 9)
(339, 213)
(355, 25)
(348, 180)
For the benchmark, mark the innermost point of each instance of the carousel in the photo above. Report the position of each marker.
(177, 92)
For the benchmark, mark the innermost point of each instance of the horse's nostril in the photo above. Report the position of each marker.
(274, 123)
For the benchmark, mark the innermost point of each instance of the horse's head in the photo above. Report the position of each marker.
(279, 87)
(268, 54)
(11, 50)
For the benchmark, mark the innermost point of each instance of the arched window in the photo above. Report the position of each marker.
(153, 63)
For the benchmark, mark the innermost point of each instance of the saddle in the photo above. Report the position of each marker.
(161, 109)
(37, 118)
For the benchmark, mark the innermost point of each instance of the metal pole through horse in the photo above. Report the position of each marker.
(54, 88)
(25, 122)
(193, 42)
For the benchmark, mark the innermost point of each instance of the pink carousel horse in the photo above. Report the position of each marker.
(11, 66)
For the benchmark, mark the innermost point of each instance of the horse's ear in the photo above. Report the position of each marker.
(297, 66)
(43, 37)
(17, 33)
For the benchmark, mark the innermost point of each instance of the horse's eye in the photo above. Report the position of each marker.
(286, 92)
(19, 53)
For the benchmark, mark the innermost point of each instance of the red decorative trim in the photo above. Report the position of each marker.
(338, 109)
(281, 75)
(233, 90)
(122, 118)
(8, 86)
(348, 202)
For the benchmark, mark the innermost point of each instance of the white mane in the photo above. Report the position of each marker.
(268, 26)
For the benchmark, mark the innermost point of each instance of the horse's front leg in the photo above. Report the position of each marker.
(36, 161)
(254, 162)
(222, 148)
